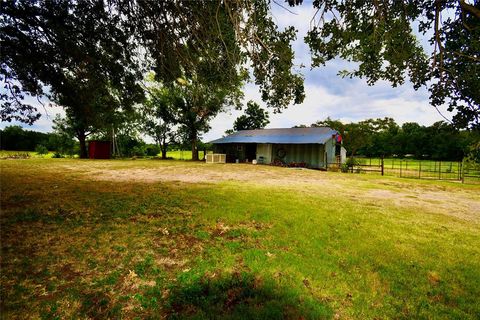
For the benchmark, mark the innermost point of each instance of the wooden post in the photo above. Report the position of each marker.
(401, 168)
(458, 168)
(439, 170)
(419, 169)
(382, 166)
(462, 172)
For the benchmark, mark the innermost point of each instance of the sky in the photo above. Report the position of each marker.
(326, 93)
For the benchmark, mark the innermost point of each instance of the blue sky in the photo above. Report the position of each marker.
(327, 95)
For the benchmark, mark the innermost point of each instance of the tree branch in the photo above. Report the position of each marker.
(278, 4)
(438, 40)
(468, 7)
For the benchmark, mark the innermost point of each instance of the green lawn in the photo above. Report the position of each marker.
(177, 239)
(183, 154)
(424, 168)
(395, 163)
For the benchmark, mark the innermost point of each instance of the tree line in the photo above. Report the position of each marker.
(385, 138)
(18, 139)
(187, 61)
(130, 144)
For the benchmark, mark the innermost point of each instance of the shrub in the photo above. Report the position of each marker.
(58, 155)
(40, 149)
(349, 164)
(138, 151)
(152, 150)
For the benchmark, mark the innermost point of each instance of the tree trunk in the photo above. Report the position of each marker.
(194, 148)
(83, 145)
(162, 143)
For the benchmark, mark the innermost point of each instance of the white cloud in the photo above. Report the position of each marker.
(48, 111)
(358, 102)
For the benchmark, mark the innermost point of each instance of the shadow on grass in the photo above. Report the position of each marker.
(240, 295)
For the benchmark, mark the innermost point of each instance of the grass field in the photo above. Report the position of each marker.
(427, 169)
(183, 155)
(176, 239)
(395, 163)
(175, 154)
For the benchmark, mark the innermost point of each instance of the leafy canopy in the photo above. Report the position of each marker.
(378, 35)
(254, 118)
(90, 53)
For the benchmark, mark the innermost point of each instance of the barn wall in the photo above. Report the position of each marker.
(343, 154)
(312, 154)
(330, 151)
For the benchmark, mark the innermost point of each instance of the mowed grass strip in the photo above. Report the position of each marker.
(183, 154)
(74, 247)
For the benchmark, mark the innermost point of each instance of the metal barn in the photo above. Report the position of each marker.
(315, 147)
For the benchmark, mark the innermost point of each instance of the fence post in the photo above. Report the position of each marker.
(458, 168)
(382, 166)
(462, 172)
(440, 170)
(401, 164)
(419, 169)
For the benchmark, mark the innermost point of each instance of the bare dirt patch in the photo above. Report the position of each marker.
(444, 199)
(211, 174)
(455, 204)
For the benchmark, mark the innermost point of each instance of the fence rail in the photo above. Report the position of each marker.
(419, 169)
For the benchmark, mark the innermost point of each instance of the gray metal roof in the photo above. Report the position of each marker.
(318, 135)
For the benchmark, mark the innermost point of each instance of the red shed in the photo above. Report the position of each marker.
(99, 149)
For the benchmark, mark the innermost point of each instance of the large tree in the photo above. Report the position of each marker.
(201, 103)
(254, 118)
(174, 37)
(378, 35)
(208, 45)
(77, 53)
(219, 39)
(160, 114)
(48, 48)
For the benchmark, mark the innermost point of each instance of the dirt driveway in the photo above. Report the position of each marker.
(438, 197)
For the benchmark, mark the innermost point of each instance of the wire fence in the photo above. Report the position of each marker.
(410, 168)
